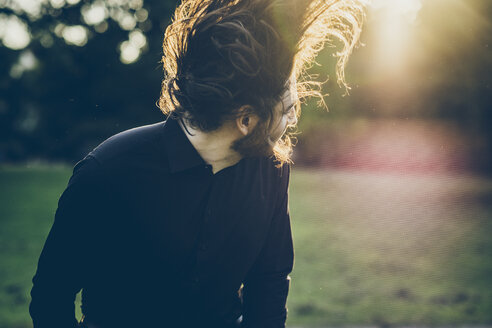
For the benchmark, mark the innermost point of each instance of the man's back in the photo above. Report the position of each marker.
(152, 236)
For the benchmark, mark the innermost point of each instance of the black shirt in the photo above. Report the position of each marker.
(155, 239)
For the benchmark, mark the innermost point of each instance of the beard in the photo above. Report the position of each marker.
(256, 143)
(259, 144)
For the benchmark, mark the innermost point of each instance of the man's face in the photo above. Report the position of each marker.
(285, 114)
(261, 142)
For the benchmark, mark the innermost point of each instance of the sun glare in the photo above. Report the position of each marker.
(393, 21)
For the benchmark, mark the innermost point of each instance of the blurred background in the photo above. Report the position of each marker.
(391, 190)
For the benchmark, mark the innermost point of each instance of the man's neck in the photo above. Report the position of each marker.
(214, 147)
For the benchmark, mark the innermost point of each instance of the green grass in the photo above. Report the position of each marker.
(28, 200)
(371, 248)
(385, 249)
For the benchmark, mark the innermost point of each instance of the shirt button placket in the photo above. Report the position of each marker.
(206, 218)
(202, 247)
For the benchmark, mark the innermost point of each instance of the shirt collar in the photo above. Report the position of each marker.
(180, 152)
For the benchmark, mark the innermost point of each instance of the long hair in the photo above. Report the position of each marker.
(219, 55)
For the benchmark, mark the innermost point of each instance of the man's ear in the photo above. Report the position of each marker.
(246, 120)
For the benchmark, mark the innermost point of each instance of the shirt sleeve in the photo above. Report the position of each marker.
(58, 277)
(267, 284)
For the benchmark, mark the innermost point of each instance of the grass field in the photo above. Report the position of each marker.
(371, 248)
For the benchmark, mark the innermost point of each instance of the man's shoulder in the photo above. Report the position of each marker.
(280, 170)
(280, 174)
(127, 143)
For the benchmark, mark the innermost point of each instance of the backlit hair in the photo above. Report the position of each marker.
(220, 55)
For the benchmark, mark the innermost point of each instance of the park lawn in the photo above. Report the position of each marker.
(371, 248)
(390, 249)
(28, 200)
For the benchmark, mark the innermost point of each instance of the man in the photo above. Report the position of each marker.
(185, 222)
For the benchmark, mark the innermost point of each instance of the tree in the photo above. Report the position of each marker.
(73, 73)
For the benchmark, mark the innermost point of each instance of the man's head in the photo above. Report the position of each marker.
(265, 137)
(227, 60)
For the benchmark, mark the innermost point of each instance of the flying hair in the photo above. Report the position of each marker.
(223, 55)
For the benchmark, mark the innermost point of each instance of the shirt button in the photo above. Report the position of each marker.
(206, 218)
